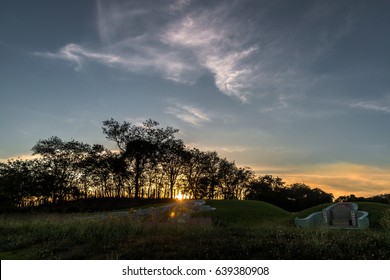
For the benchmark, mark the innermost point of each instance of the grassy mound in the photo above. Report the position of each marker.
(245, 211)
(376, 213)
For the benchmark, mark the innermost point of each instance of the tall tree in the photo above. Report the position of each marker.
(16, 182)
(266, 188)
(60, 159)
(194, 169)
(141, 145)
(228, 178)
(140, 152)
(212, 161)
(172, 162)
(243, 177)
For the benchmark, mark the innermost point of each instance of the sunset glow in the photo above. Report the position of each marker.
(182, 196)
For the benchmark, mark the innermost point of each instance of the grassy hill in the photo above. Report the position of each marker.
(378, 213)
(245, 211)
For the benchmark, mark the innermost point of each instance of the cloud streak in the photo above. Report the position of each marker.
(77, 55)
(248, 53)
(371, 106)
(227, 149)
(189, 114)
(140, 37)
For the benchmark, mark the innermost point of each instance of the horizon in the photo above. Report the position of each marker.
(298, 90)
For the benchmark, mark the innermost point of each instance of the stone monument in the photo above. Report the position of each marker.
(343, 215)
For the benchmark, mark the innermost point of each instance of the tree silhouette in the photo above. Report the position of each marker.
(172, 161)
(295, 197)
(142, 146)
(16, 182)
(193, 171)
(60, 158)
(300, 196)
(149, 156)
(266, 188)
(212, 164)
(140, 153)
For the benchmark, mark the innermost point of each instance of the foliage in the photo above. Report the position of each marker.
(16, 182)
(295, 197)
(381, 198)
(59, 162)
(151, 163)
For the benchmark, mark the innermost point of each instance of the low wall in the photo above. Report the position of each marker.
(317, 219)
(362, 219)
(312, 220)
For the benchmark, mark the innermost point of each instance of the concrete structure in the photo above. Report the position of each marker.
(343, 215)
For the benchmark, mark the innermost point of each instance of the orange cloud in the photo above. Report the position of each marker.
(339, 178)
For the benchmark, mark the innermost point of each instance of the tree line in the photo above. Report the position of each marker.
(150, 163)
(380, 198)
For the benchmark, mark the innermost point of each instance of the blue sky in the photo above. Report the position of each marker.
(297, 89)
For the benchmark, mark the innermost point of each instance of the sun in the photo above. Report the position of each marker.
(181, 196)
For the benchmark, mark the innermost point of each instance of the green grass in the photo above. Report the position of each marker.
(376, 212)
(307, 212)
(247, 212)
(240, 230)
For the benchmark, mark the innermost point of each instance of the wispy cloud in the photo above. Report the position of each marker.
(77, 54)
(189, 114)
(147, 60)
(247, 54)
(371, 105)
(221, 149)
(210, 41)
(179, 5)
(178, 48)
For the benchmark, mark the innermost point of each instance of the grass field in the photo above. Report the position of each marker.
(239, 230)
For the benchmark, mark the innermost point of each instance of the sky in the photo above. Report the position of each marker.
(296, 89)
